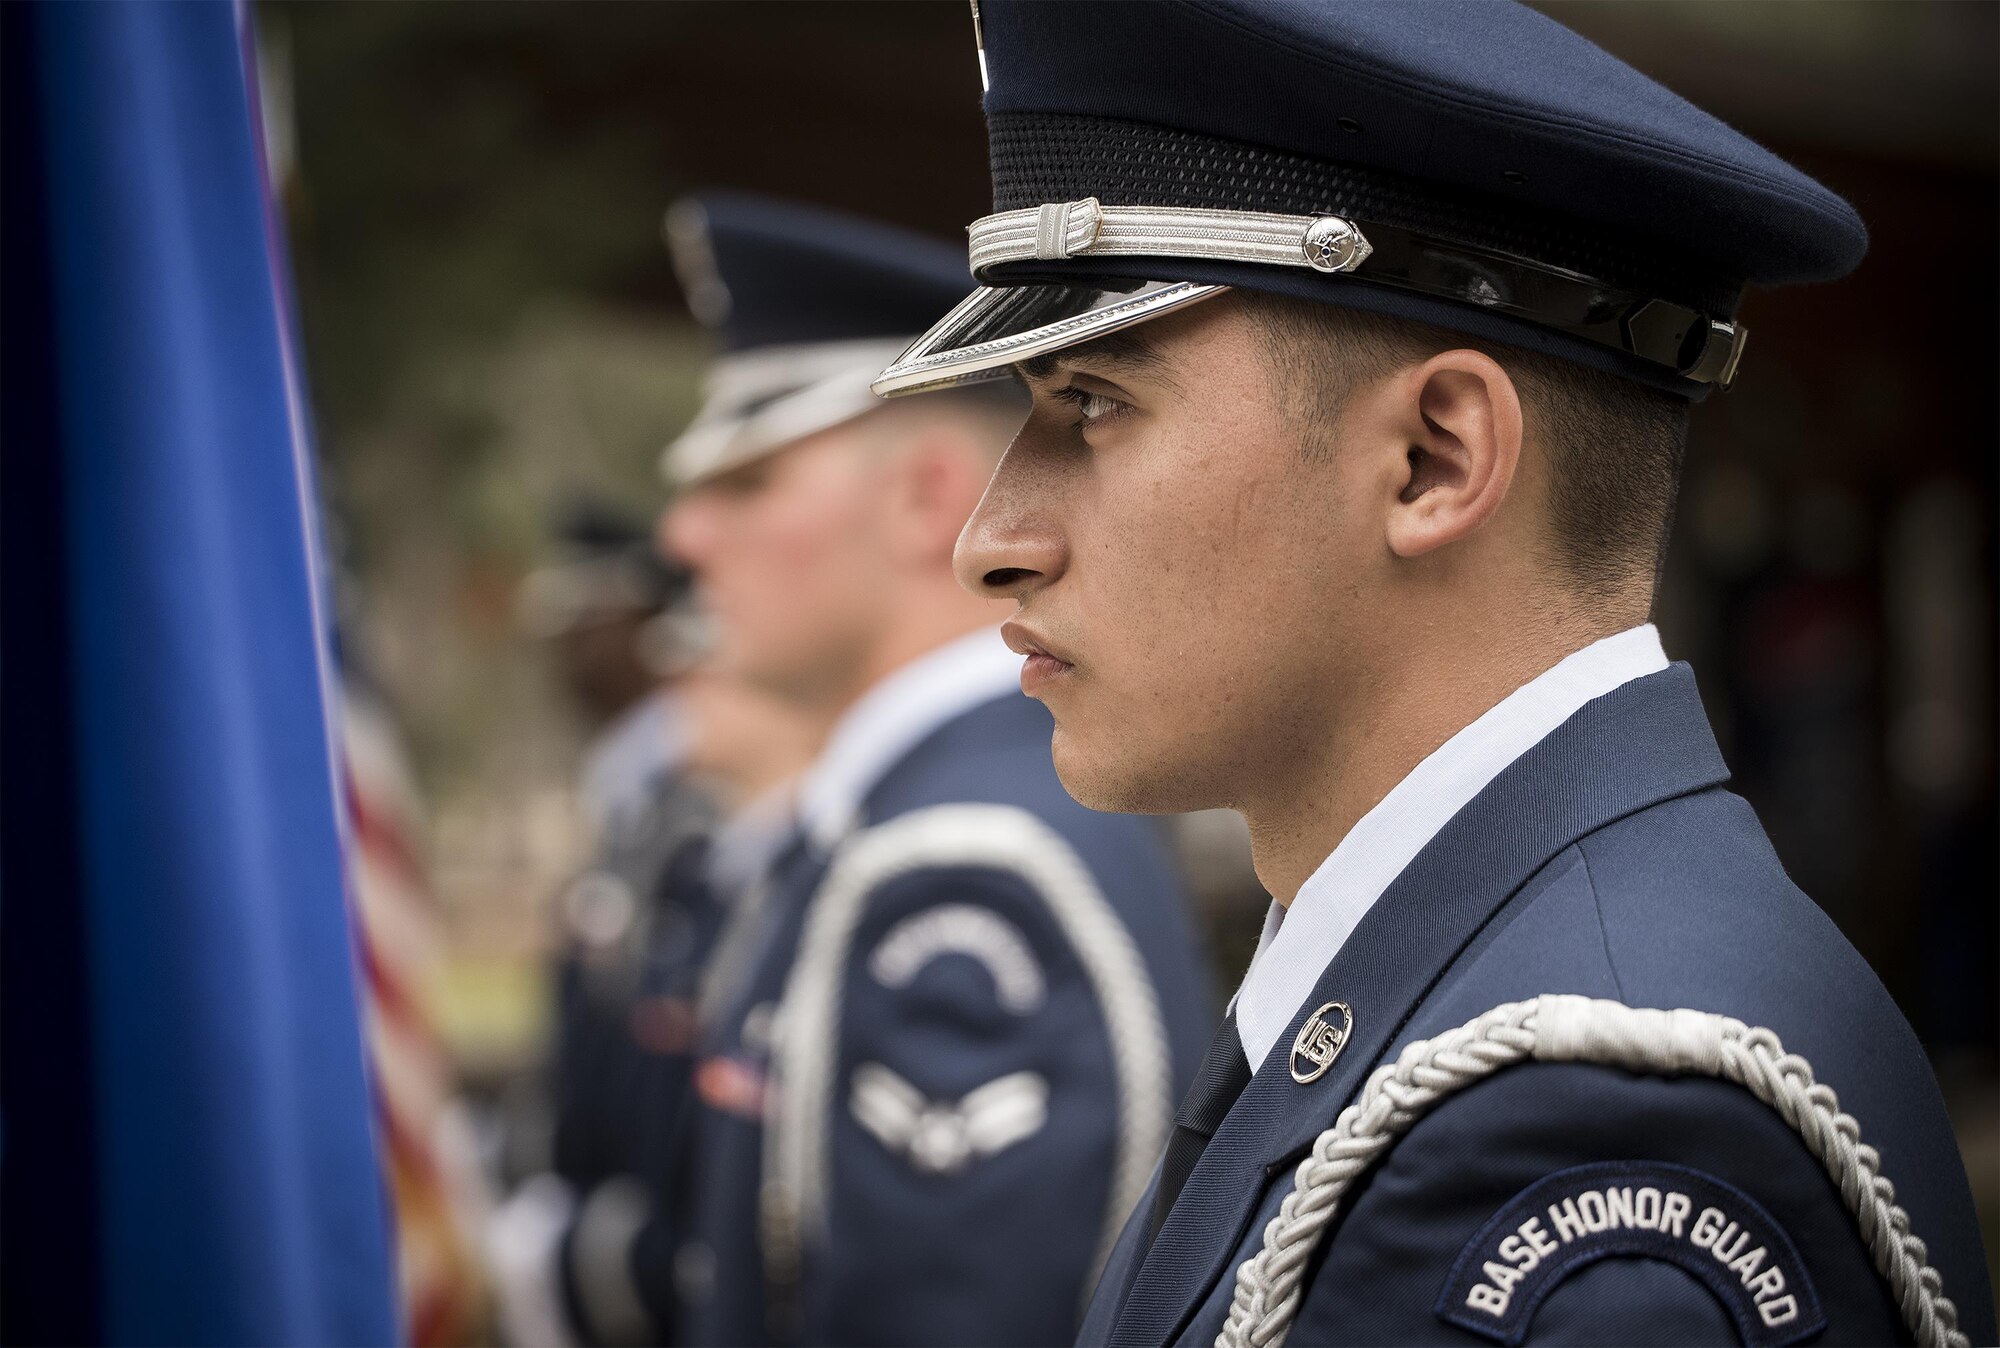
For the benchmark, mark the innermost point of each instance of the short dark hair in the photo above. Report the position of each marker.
(1615, 445)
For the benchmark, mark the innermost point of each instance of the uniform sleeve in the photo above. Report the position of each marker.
(624, 1070)
(991, 1074)
(1562, 1204)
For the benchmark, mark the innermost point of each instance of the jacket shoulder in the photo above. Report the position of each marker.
(1686, 904)
(1567, 1203)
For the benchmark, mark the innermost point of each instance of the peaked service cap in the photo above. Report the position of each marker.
(807, 305)
(1470, 164)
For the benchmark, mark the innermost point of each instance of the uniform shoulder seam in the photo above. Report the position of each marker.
(1603, 928)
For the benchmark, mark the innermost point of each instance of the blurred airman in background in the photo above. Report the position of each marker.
(685, 786)
(942, 1036)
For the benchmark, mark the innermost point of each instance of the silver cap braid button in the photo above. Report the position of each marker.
(1332, 244)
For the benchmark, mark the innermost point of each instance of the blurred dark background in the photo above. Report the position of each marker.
(493, 331)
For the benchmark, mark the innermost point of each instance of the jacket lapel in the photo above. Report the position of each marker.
(1114, 1282)
(1644, 743)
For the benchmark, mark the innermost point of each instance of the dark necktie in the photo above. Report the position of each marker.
(1224, 1074)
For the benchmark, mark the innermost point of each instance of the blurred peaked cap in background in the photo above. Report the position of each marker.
(585, 525)
(604, 566)
(762, 272)
(809, 305)
(1521, 183)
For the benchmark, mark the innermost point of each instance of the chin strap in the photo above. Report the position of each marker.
(1270, 1286)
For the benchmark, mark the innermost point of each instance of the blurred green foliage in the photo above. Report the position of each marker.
(491, 331)
(463, 168)
(457, 162)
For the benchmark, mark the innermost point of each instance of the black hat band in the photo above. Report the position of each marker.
(1673, 337)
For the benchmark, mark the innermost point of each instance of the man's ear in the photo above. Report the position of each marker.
(1463, 434)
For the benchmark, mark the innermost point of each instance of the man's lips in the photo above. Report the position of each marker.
(1042, 664)
(1025, 640)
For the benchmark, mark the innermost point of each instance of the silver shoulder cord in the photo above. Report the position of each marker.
(1270, 1285)
(805, 1048)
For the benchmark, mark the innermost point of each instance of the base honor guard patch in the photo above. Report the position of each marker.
(1632, 1209)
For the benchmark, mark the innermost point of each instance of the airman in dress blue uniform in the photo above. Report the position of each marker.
(642, 919)
(635, 926)
(943, 1037)
(686, 793)
(1360, 339)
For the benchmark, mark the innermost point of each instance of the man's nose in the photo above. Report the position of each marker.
(1004, 551)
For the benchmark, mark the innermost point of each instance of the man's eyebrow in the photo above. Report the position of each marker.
(1126, 350)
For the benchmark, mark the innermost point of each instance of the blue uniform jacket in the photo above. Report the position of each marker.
(623, 1056)
(966, 1081)
(1606, 861)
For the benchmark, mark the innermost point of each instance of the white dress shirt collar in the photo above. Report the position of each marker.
(891, 718)
(1298, 943)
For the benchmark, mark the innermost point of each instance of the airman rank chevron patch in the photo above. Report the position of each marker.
(1634, 1209)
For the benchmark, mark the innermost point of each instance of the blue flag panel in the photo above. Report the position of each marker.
(187, 1151)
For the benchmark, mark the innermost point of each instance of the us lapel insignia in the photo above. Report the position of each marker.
(1320, 1040)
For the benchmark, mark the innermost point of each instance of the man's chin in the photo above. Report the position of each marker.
(776, 678)
(1114, 781)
